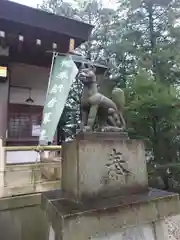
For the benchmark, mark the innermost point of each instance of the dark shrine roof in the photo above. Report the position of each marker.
(19, 19)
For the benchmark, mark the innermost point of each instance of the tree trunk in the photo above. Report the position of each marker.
(152, 38)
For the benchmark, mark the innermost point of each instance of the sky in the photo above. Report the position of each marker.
(34, 3)
(31, 3)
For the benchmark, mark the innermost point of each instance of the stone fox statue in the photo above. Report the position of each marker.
(97, 110)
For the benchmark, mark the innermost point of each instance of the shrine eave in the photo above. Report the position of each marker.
(34, 23)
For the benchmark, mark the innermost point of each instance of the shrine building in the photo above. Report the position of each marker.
(28, 37)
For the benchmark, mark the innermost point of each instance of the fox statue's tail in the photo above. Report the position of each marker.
(119, 99)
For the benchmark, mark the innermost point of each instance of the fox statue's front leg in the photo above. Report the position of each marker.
(85, 125)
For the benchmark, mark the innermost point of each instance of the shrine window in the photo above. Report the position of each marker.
(24, 123)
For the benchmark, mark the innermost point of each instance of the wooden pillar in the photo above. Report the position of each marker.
(4, 99)
(4, 91)
(2, 166)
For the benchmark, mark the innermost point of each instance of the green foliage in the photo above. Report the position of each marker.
(151, 113)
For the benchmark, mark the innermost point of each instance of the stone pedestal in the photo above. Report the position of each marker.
(103, 164)
(105, 192)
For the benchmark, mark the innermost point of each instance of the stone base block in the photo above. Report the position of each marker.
(143, 232)
(109, 218)
(103, 164)
(168, 228)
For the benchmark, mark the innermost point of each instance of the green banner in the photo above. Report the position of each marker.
(62, 75)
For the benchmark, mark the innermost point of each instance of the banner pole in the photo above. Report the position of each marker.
(55, 54)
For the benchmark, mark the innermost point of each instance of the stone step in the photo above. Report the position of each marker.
(107, 215)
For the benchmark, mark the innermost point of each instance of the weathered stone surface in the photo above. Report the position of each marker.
(103, 164)
(16, 202)
(81, 221)
(168, 228)
(143, 232)
(21, 218)
(96, 136)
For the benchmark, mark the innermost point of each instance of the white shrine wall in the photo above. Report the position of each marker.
(29, 76)
(35, 78)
